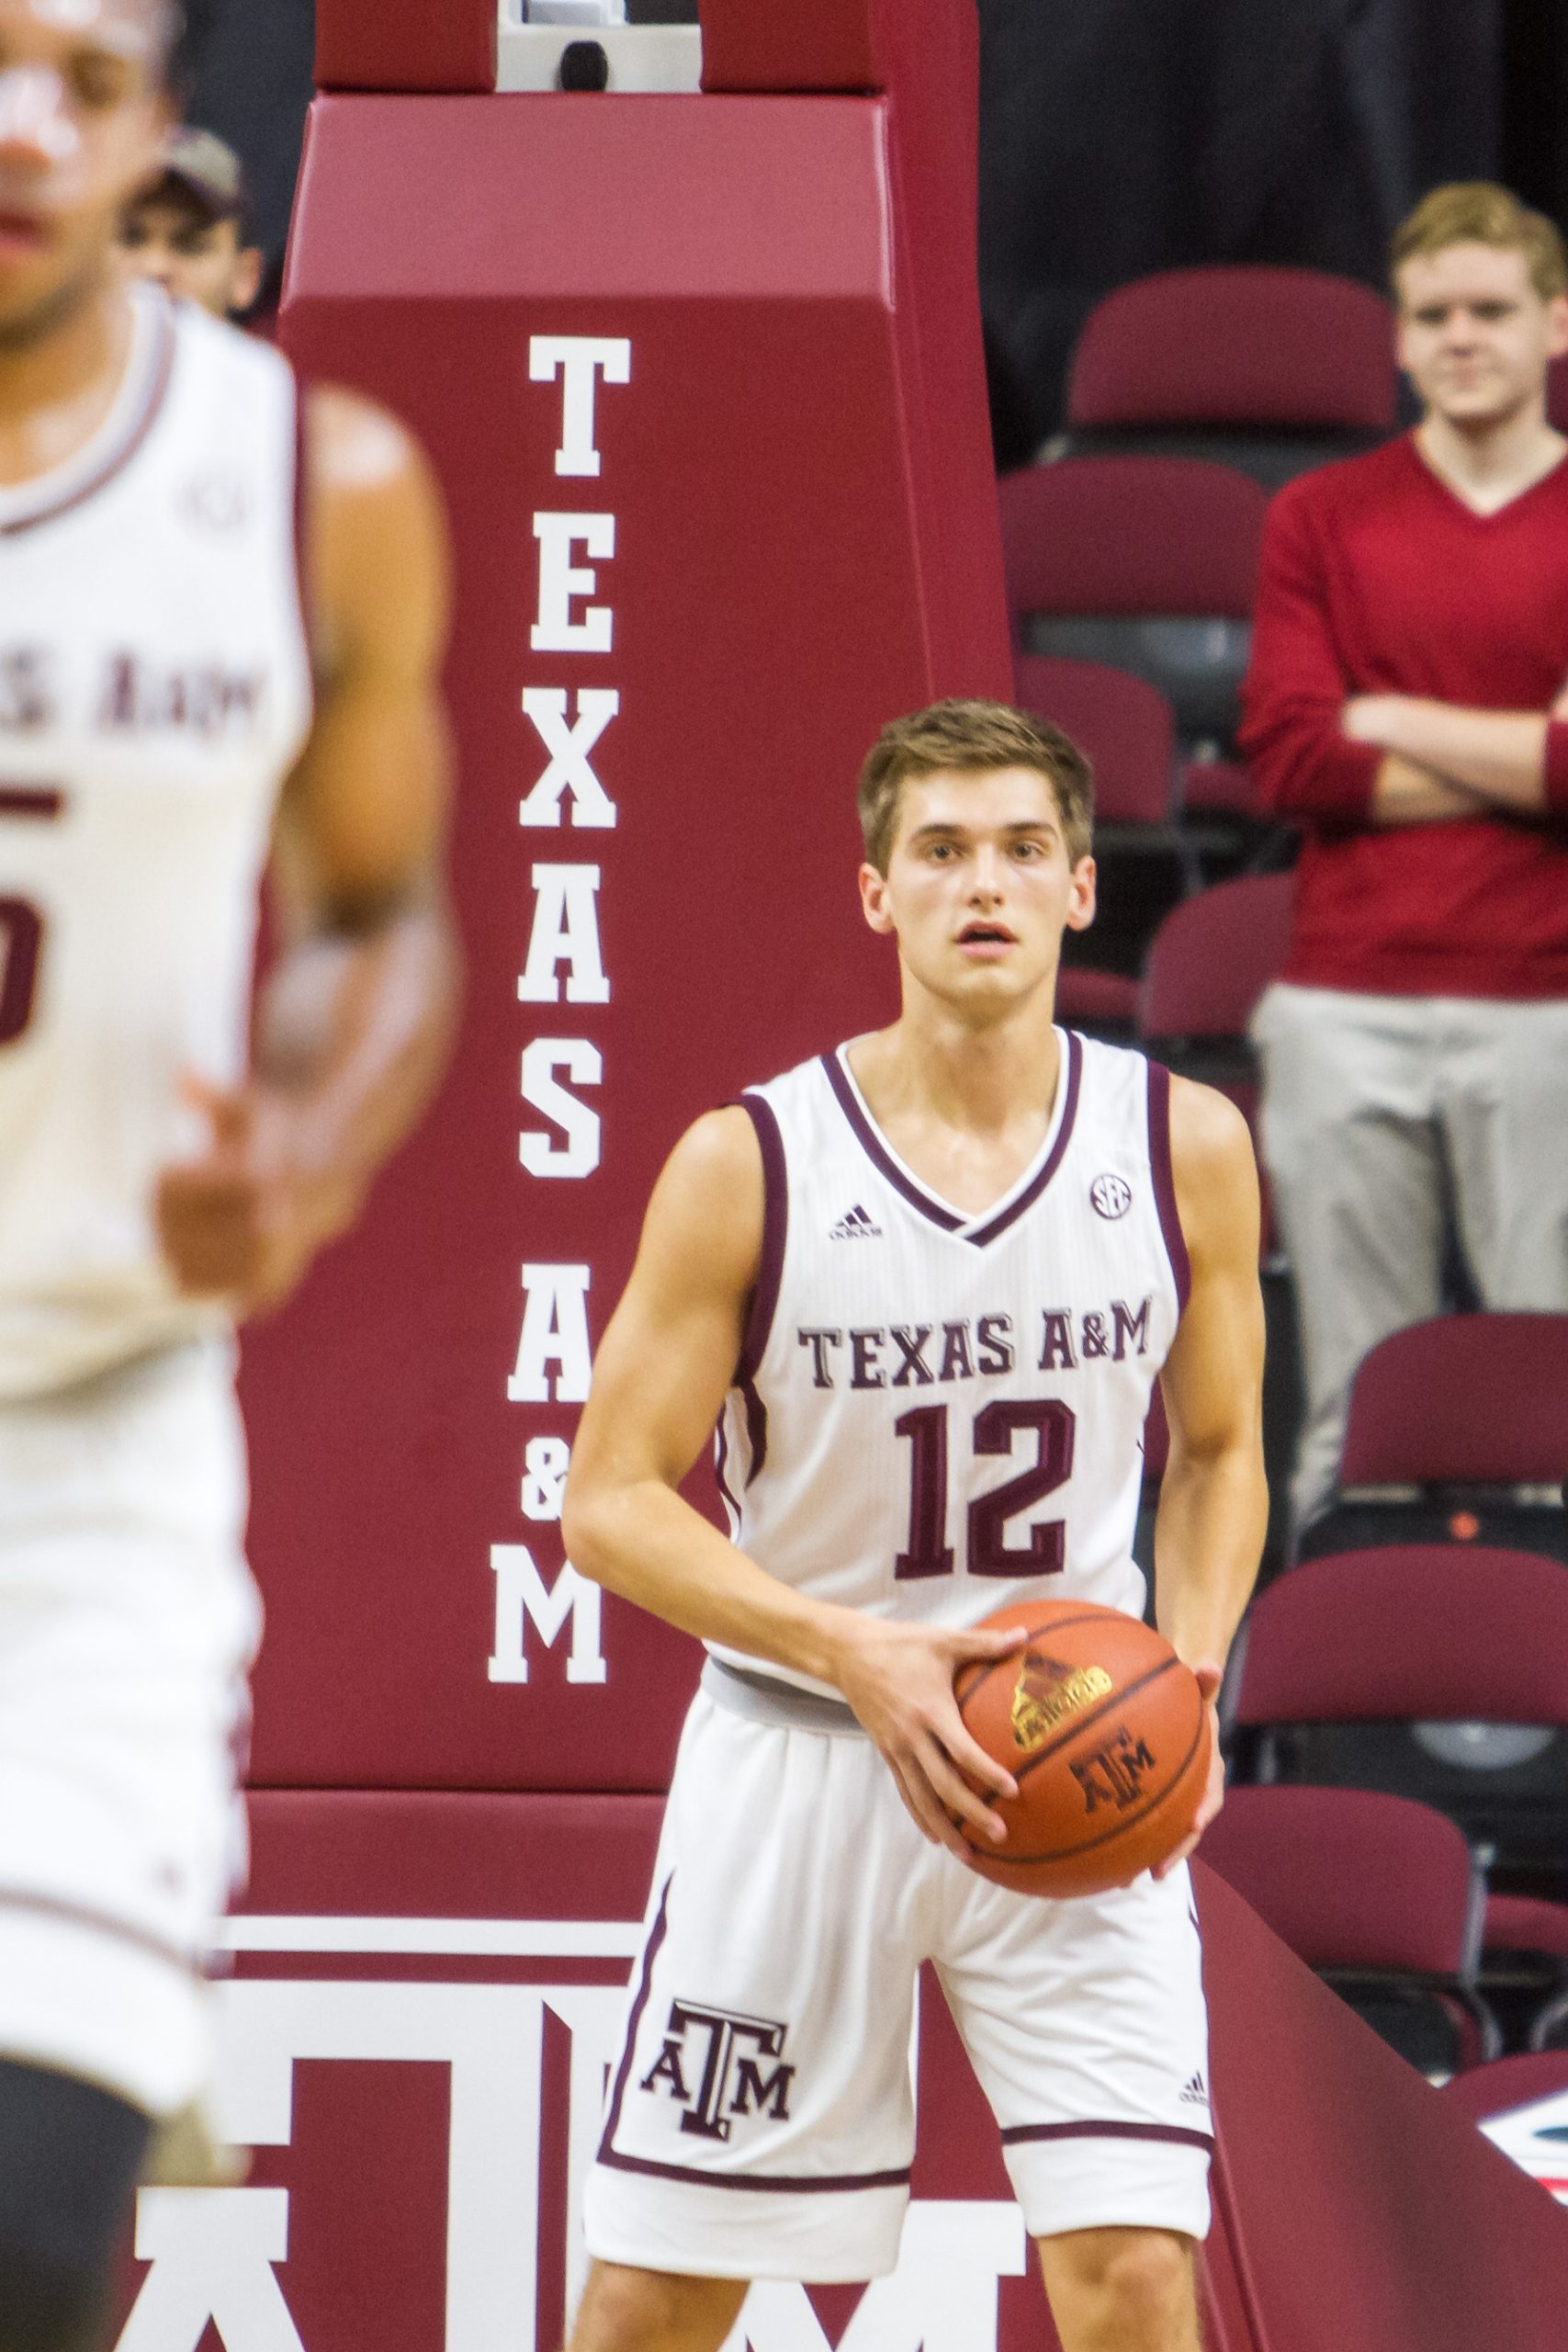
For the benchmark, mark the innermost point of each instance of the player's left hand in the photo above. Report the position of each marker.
(242, 1219)
(1209, 1677)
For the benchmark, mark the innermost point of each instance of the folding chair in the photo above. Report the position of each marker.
(1147, 564)
(1380, 1896)
(1208, 963)
(1270, 370)
(1439, 1673)
(1146, 864)
(1458, 1428)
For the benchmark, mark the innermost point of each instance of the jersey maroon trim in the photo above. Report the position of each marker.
(791, 2184)
(1031, 1193)
(301, 510)
(775, 1231)
(100, 1923)
(31, 800)
(876, 1151)
(1018, 2132)
(1165, 1183)
(939, 1212)
(645, 1986)
(119, 455)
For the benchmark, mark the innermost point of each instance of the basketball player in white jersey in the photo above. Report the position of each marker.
(925, 1284)
(164, 712)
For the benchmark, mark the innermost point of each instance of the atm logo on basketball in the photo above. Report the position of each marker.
(1115, 1773)
(713, 2061)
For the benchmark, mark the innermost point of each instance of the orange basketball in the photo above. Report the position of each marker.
(1106, 1734)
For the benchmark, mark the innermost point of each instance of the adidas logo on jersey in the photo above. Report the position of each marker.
(1195, 2095)
(857, 1225)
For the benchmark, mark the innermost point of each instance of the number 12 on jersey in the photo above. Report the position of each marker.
(987, 1553)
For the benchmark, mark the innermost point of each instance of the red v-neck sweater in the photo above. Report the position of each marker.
(1377, 579)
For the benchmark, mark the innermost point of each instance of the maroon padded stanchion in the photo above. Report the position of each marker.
(710, 419)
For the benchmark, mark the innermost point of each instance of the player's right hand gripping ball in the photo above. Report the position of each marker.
(1106, 1732)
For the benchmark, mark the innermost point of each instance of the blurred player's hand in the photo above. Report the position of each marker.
(242, 1220)
(898, 1679)
(1208, 1678)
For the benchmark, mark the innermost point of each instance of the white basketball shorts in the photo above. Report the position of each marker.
(127, 1620)
(760, 2121)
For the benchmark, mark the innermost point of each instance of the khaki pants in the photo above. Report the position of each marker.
(1382, 1116)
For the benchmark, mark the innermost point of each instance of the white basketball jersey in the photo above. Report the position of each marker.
(937, 1414)
(155, 689)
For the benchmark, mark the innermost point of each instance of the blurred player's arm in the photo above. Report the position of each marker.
(1213, 1503)
(354, 1024)
(660, 1379)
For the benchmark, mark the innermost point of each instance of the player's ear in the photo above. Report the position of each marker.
(874, 901)
(1081, 899)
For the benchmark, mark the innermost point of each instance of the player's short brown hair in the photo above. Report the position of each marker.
(1479, 212)
(969, 737)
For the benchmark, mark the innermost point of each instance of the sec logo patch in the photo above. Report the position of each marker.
(1111, 1196)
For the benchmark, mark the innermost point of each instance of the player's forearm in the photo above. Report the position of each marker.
(1499, 754)
(354, 1029)
(642, 1539)
(1209, 1531)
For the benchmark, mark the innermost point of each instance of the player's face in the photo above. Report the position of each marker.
(175, 246)
(979, 887)
(1475, 336)
(81, 114)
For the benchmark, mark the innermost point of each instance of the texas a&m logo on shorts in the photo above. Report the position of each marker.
(719, 2065)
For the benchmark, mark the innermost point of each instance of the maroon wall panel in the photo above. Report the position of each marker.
(1345, 2198)
(775, 591)
(427, 1989)
(404, 45)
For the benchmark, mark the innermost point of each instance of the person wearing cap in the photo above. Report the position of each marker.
(187, 228)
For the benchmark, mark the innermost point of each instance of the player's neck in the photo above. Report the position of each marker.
(1488, 464)
(982, 1079)
(59, 382)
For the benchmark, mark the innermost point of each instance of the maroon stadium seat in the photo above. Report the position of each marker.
(1123, 724)
(1417, 1634)
(1272, 370)
(1408, 1631)
(1237, 345)
(1481, 1398)
(1370, 1890)
(1088, 999)
(1212, 957)
(1150, 564)
(1130, 536)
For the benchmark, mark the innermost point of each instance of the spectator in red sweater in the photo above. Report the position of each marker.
(1405, 707)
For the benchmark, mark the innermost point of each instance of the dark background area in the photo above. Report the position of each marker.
(1117, 137)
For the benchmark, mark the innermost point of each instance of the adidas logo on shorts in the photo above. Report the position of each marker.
(1195, 2095)
(857, 1225)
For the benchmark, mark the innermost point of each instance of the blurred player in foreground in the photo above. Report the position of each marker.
(185, 230)
(164, 718)
(926, 1284)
